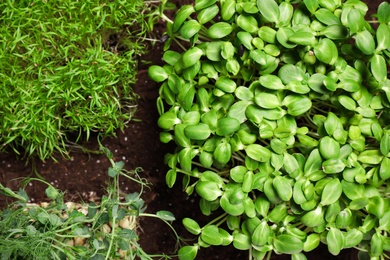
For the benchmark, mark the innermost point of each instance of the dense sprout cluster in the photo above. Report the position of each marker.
(67, 66)
(280, 115)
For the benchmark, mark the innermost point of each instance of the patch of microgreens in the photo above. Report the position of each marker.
(59, 230)
(280, 115)
(68, 67)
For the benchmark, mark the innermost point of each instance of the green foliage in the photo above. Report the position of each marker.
(280, 116)
(67, 67)
(67, 230)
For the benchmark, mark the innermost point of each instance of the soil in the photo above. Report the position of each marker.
(138, 146)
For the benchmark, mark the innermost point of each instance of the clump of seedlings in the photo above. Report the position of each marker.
(68, 67)
(56, 229)
(280, 115)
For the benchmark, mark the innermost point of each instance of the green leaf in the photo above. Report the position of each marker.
(326, 16)
(208, 190)
(241, 241)
(207, 14)
(332, 192)
(267, 34)
(171, 57)
(269, 9)
(355, 20)
(283, 34)
(226, 84)
(262, 234)
(191, 56)
(335, 240)
(197, 132)
(181, 15)
(311, 5)
(353, 190)
(248, 23)
(258, 152)
(384, 13)
(51, 192)
(384, 170)
(290, 72)
(227, 126)
(267, 100)
(167, 120)
(376, 245)
(352, 238)
(165, 215)
(370, 157)
(385, 144)
(185, 159)
(170, 178)
(365, 42)
(331, 166)
(383, 37)
(201, 4)
(188, 252)
(288, 244)
(376, 206)
(297, 104)
(329, 148)
(278, 213)
(313, 162)
(378, 67)
(326, 51)
(271, 82)
(157, 73)
(192, 226)
(312, 241)
(246, 39)
(283, 187)
(347, 102)
(219, 30)
(190, 28)
(228, 9)
(223, 153)
(335, 32)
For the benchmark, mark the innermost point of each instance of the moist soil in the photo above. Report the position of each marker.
(84, 175)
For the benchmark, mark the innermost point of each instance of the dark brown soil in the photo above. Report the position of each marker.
(138, 146)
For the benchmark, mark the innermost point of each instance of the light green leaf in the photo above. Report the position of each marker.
(197, 132)
(182, 14)
(269, 9)
(326, 51)
(219, 30)
(228, 9)
(332, 192)
(208, 190)
(258, 152)
(378, 67)
(365, 42)
(207, 14)
(288, 244)
(335, 240)
(190, 28)
(191, 56)
(188, 252)
(248, 23)
(157, 73)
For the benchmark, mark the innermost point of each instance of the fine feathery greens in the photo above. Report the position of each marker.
(280, 115)
(67, 67)
(105, 230)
